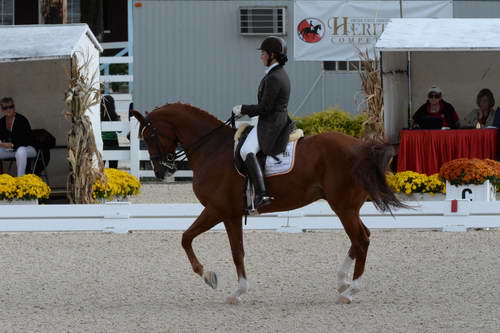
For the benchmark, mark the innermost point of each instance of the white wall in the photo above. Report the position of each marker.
(396, 93)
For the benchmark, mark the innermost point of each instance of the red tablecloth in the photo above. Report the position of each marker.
(424, 151)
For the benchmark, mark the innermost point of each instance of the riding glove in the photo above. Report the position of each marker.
(237, 110)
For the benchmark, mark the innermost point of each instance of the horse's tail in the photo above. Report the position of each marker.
(370, 167)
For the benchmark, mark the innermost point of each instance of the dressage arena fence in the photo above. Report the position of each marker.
(122, 217)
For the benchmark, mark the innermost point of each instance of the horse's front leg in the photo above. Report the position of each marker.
(203, 223)
(235, 233)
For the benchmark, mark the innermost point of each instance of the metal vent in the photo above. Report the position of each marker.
(262, 20)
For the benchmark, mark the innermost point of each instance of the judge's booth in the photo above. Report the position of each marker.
(461, 56)
(35, 69)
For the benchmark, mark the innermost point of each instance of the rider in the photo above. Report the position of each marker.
(274, 125)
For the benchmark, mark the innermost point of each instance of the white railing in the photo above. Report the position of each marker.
(119, 58)
(123, 217)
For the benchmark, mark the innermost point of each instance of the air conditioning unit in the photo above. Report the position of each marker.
(263, 21)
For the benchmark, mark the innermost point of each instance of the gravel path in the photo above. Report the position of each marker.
(142, 282)
(180, 192)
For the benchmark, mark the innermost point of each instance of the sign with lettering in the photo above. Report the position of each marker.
(339, 30)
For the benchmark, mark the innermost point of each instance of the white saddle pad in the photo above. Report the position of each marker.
(285, 161)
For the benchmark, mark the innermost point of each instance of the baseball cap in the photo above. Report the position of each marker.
(434, 89)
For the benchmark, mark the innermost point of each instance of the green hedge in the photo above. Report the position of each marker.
(333, 119)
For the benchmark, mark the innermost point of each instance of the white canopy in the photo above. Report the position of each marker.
(461, 56)
(427, 34)
(42, 42)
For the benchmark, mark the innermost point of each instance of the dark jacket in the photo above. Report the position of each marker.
(108, 113)
(447, 109)
(274, 125)
(496, 120)
(21, 132)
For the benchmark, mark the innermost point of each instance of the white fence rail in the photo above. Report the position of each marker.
(132, 154)
(123, 217)
(119, 58)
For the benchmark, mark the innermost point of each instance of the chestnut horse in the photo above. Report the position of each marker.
(331, 166)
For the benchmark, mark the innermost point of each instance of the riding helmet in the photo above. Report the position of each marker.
(273, 44)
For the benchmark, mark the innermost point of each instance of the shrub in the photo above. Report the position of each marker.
(331, 120)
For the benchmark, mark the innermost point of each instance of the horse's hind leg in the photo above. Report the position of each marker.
(359, 235)
(343, 282)
(203, 223)
(235, 233)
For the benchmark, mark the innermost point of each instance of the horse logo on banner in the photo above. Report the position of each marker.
(311, 30)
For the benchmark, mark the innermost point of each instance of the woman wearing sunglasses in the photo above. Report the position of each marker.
(15, 136)
(435, 113)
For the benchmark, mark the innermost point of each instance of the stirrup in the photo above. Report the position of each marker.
(262, 201)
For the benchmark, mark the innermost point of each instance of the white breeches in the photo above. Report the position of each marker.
(21, 155)
(251, 144)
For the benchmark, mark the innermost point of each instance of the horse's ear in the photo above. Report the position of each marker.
(138, 116)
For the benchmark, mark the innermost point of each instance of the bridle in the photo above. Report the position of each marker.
(168, 160)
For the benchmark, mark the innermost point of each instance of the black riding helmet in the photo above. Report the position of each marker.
(276, 45)
(273, 44)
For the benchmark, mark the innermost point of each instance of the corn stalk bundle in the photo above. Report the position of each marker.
(373, 105)
(82, 153)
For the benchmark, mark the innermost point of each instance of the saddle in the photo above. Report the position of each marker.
(287, 156)
(239, 139)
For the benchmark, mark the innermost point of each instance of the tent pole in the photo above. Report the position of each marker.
(401, 8)
(409, 89)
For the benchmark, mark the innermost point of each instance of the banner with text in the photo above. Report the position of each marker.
(338, 30)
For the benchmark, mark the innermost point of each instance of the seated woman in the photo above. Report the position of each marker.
(435, 113)
(15, 136)
(484, 116)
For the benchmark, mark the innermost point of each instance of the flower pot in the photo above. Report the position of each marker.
(19, 202)
(113, 200)
(483, 192)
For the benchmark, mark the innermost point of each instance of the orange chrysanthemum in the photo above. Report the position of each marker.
(465, 171)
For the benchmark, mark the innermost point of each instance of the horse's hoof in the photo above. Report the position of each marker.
(343, 287)
(210, 278)
(232, 300)
(355, 290)
(343, 299)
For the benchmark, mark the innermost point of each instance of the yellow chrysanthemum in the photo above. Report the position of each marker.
(118, 184)
(412, 182)
(27, 187)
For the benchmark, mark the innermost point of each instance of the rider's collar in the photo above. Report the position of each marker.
(271, 67)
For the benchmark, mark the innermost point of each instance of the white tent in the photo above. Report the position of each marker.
(461, 56)
(35, 67)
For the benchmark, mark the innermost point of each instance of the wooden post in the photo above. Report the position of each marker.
(53, 11)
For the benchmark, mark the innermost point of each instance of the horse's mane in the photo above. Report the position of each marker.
(190, 108)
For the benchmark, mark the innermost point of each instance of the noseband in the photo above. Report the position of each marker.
(168, 160)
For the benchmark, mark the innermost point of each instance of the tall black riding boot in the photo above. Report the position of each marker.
(257, 178)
